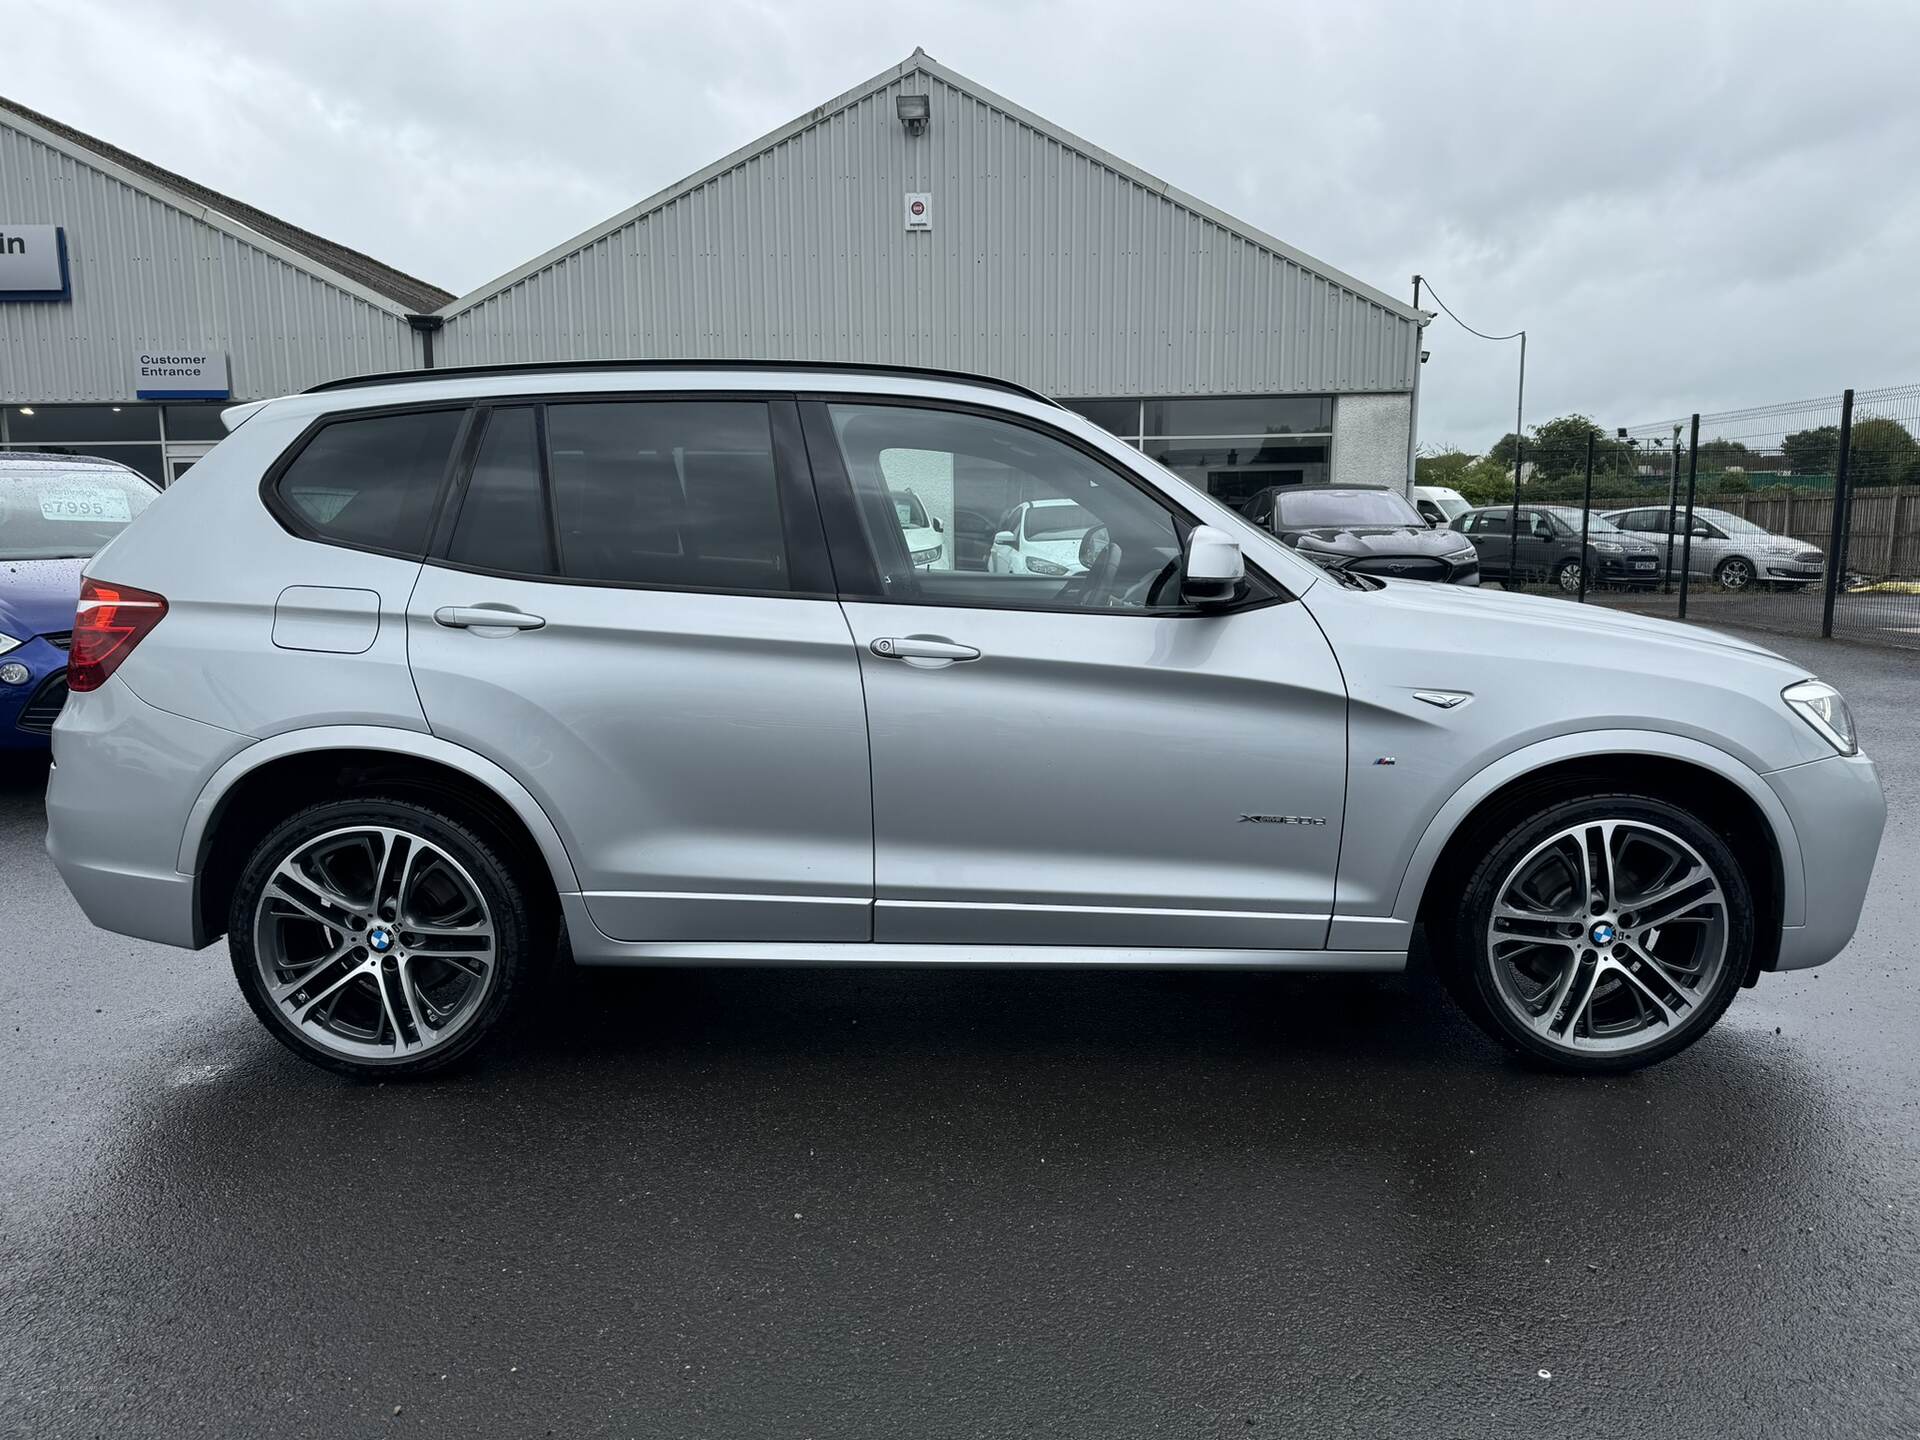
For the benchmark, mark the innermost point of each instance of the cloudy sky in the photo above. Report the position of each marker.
(1706, 205)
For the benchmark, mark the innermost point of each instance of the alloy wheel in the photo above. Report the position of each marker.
(374, 943)
(1735, 575)
(1608, 936)
(1570, 577)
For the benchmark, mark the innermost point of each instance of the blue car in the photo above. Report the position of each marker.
(56, 511)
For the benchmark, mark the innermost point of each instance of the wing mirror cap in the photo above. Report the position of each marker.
(1214, 567)
(1003, 537)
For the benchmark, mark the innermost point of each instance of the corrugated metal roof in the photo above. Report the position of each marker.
(416, 295)
(1051, 262)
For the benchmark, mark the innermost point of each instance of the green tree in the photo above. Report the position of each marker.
(1486, 481)
(1559, 447)
(1443, 468)
(1812, 452)
(1502, 451)
(1882, 452)
(1723, 454)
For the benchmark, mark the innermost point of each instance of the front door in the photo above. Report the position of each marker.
(630, 610)
(1066, 755)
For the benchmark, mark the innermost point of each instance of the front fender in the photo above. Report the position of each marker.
(396, 742)
(1596, 744)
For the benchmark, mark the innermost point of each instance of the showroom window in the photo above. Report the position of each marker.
(1231, 446)
(140, 436)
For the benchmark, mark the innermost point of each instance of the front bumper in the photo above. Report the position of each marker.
(27, 711)
(1627, 569)
(1838, 814)
(125, 778)
(1793, 572)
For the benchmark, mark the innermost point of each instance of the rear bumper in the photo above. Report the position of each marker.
(124, 779)
(1838, 814)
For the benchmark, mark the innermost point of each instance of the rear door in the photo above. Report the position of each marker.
(1075, 759)
(629, 608)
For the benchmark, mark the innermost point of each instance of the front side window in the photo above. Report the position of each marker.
(371, 481)
(50, 511)
(681, 494)
(1075, 534)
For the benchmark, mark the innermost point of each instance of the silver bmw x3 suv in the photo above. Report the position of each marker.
(420, 682)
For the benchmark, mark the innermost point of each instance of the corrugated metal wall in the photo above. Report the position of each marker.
(149, 276)
(1043, 266)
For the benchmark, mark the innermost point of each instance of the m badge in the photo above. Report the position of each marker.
(1283, 820)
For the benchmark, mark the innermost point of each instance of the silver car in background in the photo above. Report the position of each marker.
(1728, 549)
(416, 677)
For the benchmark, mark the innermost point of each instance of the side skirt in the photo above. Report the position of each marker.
(591, 947)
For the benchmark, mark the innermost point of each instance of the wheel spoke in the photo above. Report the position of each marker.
(311, 971)
(315, 902)
(1672, 901)
(330, 992)
(1570, 1030)
(1643, 991)
(1543, 1018)
(1600, 838)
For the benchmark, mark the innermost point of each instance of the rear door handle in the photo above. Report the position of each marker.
(922, 647)
(485, 617)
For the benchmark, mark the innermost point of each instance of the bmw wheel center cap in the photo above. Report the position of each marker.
(1603, 933)
(380, 939)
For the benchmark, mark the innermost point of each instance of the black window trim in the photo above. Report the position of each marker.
(297, 526)
(808, 559)
(853, 557)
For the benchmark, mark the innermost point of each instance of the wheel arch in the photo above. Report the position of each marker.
(1730, 795)
(267, 781)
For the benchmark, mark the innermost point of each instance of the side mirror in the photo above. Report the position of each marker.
(1214, 567)
(1004, 537)
(938, 528)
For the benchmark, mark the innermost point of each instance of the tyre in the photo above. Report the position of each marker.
(1509, 582)
(1734, 574)
(1567, 576)
(1599, 935)
(380, 938)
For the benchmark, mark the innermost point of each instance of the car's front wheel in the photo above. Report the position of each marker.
(1734, 574)
(379, 937)
(1603, 934)
(1567, 576)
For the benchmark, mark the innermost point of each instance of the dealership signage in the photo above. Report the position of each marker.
(33, 262)
(180, 375)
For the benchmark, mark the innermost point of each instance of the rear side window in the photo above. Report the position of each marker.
(675, 493)
(371, 482)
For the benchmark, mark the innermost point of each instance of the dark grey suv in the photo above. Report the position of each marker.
(1363, 529)
(1548, 548)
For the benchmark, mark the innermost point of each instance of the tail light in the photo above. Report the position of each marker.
(110, 621)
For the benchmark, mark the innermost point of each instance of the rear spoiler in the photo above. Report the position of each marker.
(234, 416)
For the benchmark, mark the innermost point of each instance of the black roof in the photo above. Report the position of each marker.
(562, 367)
(396, 285)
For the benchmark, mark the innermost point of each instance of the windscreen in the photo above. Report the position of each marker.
(49, 512)
(1336, 509)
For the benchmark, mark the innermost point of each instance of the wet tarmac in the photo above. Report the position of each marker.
(949, 1203)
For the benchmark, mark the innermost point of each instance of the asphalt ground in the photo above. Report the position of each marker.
(894, 1203)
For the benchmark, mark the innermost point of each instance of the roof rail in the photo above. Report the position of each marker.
(562, 367)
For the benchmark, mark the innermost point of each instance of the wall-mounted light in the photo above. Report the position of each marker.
(913, 111)
(26, 409)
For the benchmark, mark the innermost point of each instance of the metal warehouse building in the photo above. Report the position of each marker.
(916, 219)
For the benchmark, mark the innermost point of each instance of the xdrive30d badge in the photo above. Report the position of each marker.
(418, 683)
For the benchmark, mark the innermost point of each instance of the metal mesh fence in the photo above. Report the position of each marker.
(1801, 518)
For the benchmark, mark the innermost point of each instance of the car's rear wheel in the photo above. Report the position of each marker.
(1734, 574)
(1603, 934)
(379, 937)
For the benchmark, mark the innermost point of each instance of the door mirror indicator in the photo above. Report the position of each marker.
(1214, 567)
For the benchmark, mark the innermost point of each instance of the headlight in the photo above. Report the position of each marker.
(926, 557)
(1820, 705)
(1037, 566)
(1468, 553)
(1608, 547)
(7, 642)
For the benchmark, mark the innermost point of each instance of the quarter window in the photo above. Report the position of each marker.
(371, 482)
(675, 493)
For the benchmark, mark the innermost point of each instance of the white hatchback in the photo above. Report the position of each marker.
(1041, 537)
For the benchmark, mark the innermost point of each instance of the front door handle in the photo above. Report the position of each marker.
(922, 647)
(485, 617)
